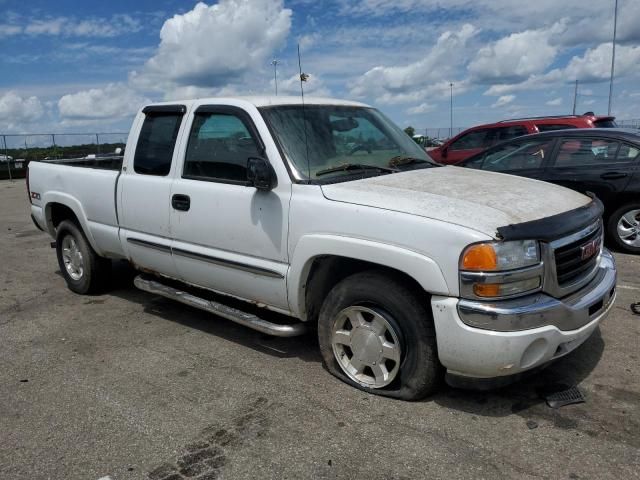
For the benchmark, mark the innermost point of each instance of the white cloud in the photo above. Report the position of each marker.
(594, 65)
(71, 26)
(555, 102)
(421, 79)
(515, 56)
(308, 40)
(291, 86)
(503, 100)
(213, 46)
(420, 109)
(8, 30)
(111, 102)
(17, 111)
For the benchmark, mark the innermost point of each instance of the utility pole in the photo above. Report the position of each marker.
(451, 110)
(575, 97)
(275, 62)
(613, 54)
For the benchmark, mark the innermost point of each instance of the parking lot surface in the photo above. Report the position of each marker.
(125, 385)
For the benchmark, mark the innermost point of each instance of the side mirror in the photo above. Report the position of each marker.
(260, 174)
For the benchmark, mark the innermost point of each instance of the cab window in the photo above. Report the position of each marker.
(219, 146)
(156, 142)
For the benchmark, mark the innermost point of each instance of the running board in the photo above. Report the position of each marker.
(243, 318)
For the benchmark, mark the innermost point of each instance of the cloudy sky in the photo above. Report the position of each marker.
(86, 66)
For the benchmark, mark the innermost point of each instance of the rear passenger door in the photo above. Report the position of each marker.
(230, 237)
(144, 189)
(591, 164)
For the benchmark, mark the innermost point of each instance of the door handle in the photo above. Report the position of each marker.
(181, 202)
(613, 175)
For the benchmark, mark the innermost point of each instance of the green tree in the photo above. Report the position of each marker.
(410, 131)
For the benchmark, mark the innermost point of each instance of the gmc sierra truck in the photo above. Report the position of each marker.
(327, 213)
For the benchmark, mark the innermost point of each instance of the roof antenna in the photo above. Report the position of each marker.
(303, 78)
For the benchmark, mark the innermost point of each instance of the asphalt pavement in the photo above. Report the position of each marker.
(126, 385)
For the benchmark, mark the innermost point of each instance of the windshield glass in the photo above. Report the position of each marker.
(339, 136)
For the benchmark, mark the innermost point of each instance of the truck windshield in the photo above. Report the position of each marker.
(341, 136)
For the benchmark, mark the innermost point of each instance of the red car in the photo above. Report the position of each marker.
(476, 139)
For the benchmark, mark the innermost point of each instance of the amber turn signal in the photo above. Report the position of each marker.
(486, 289)
(480, 257)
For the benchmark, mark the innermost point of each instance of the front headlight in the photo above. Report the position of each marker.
(500, 269)
(500, 256)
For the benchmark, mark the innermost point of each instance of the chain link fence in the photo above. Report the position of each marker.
(440, 133)
(630, 123)
(17, 150)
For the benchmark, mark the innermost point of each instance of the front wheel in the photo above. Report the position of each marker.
(83, 270)
(377, 334)
(624, 228)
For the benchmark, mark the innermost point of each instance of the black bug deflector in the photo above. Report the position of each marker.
(556, 226)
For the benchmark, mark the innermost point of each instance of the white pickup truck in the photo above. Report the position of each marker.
(330, 215)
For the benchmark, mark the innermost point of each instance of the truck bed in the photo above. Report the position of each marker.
(90, 191)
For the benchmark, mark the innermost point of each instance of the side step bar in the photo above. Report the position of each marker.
(243, 318)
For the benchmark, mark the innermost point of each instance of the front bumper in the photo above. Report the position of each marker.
(487, 340)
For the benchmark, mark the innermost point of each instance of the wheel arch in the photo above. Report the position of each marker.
(59, 207)
(321, 261)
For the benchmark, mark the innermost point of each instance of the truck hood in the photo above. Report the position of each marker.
(475, 199)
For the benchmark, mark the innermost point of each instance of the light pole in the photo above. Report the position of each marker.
(613, 54)
(275, 62)
(451, 110)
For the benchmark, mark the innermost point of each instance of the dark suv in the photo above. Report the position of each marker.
(605, 162)
(481, 137)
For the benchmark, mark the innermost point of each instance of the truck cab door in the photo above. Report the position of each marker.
(229, 236)
(145, 189)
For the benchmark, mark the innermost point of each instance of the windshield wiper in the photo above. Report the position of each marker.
(354, 166)
(401, 160)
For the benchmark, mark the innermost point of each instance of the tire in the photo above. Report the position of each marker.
(394, 315)
(84, 271)
(625, 216)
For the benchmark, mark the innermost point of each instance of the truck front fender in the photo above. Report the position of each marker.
(424, 270)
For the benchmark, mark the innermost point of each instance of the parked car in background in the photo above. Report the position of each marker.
(605, 162)
(6, 158)
(478, 138)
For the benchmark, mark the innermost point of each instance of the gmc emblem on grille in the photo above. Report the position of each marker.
(588, 250)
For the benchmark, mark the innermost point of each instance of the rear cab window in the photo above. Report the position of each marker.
(157, 139)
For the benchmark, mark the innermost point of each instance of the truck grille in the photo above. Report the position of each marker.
(578, 259)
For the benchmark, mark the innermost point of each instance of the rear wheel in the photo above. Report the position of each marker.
(377, 334)
(82, 268)
(624, 228)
